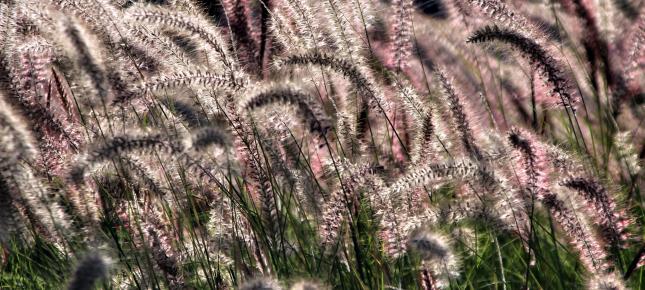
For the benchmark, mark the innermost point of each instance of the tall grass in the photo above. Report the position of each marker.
(303, 144)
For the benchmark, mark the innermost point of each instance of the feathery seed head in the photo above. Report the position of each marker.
(606, 282)
(195, 24)
(460, 118)
(401, 34)
(91, 269)
(206, 136)
(537, 55)
(429, 245)
(505, 15)
(533, 155)
(602, 206)
(201, 79)
(356, 74)
(263, 283)
(78, 44)
(311, 111)
(438, 256)
(306, 285)
(116, 146)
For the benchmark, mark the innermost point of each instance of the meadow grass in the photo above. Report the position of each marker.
(297, 144)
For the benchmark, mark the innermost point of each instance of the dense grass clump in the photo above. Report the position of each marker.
(321, 144)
